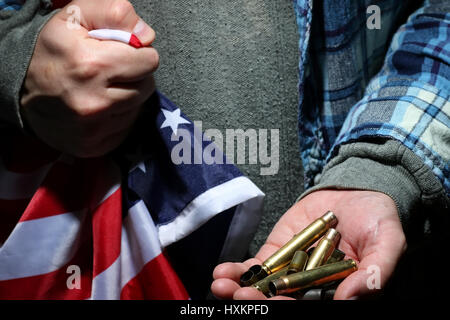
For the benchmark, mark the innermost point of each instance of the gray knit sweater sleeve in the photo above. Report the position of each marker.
(18, 34)
(385, 166)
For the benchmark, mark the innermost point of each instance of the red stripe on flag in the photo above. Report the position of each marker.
(107, 231)
(156, 281)
(65, 189)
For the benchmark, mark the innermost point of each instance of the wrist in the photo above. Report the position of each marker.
(387, 167)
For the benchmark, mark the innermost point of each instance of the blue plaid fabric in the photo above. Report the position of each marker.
(11, 4)
(358, 83)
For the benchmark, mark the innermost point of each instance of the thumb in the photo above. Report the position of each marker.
(374, 269)
(110, 14)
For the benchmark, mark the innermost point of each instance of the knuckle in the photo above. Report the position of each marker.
(119, 10)
(46, 36)
(86, 66)
(85, 106)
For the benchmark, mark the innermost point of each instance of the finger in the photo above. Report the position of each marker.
(248, 293)
(134, 93)
(125, 63)
(281, 298)
(360, 283)
(233, 270)
(224, 288)
(267, 250)
(374, 269)
(110, 14)
(113, 122)
(352, 287)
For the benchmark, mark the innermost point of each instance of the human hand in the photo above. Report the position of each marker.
(371, 234)
(81, 95)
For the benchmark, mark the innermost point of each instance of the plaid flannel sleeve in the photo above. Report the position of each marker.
(409, 98)
(11, 4)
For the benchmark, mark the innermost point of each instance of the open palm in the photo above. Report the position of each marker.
(371, 234)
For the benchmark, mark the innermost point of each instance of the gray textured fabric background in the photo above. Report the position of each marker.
(233, 64)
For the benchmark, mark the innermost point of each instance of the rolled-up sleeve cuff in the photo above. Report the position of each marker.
(387, 167)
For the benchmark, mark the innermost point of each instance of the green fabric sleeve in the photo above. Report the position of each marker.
(19, 31)
(384, 166)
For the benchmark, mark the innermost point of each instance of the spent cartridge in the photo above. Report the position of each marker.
(263, 284)
(300, 241)
(298, 262)
(336, 255)
(324, 249)
(314, 277)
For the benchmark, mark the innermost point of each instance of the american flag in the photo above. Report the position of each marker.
(130, 225)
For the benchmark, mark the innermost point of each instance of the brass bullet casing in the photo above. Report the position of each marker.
(247, 278)
(263, 284)
(336, 256)
(283, 256)
(298, 262)
(300, 241)
(254, 274)
(323, 250)
(314, 277)
(310, 251)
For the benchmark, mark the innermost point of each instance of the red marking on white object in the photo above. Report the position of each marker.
(118, 35)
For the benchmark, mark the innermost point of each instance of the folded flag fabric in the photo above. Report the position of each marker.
(130, 225)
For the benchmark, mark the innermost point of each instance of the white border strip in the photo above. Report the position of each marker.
(243, 227)
(211, 203)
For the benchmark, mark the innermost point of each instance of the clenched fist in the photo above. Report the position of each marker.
(82, 95)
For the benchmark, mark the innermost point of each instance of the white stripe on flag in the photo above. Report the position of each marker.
(106, 285)
(140, 244)
(207, 205)
(40, 246)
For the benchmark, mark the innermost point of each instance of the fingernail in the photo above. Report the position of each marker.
(139, 27)
(143, 31)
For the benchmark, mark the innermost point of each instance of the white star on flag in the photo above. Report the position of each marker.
(173, 119)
